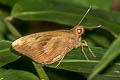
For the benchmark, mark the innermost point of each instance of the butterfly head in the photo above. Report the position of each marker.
(78, 30)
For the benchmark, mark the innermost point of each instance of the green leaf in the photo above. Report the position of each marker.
(17, 75)
(11, 37)
(6, 55)
(104, 77)
(1, 37)
(76, 62)
(110, 55)
(98, 3)
(12, 29)
(40, 72)
(9, 2)
(95, 3)
(2, 27)
(100, 40)
(65, 12)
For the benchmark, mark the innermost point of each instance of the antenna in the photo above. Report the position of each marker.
(99, 26)
(85, 15)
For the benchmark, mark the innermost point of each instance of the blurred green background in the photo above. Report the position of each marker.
(24, 17)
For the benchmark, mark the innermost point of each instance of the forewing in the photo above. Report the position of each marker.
(45, 48)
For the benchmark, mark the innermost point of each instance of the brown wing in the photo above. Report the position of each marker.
(46, 47)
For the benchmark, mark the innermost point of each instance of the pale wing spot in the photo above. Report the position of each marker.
(54, 59)
(59, 56)
(17, 42)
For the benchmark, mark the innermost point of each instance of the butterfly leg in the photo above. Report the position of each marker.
(59, 62)
(82, 46)
(85, 44)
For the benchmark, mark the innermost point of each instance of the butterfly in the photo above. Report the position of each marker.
(51, 46)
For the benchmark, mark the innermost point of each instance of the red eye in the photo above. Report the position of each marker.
(79, 31)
